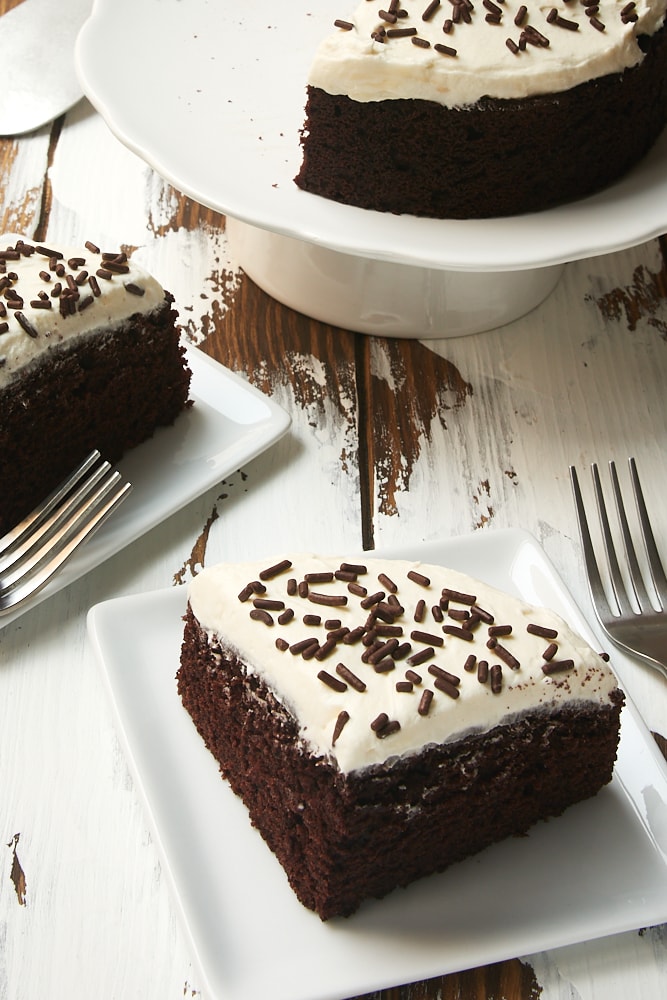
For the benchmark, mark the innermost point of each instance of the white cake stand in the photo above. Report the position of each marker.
(211, 95)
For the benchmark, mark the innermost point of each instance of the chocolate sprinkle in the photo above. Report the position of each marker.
(425, 702)
(460, 633)
(318, 577)
(331, 600)
(442, 684)
(542, 630)
(326, 648)
(302, 645)
(390, 728)
(503, 654)
(557, 666)
(500, 629)
(401, 32)
(379, 722)
(351, 678)
(85, 302)
(372, 599)
(384, 666)
(458, 614)
(271, 571)
(26, 325)
(345, 576)
(341, 722)
(458, 596)
(268, 605)
(260, 615)
(385, 649)
(443, 674)
(486, 616)
(422, 656)
(431, 640)
(496, 674)
(246, 593)
(332, 681)
(51, 254)
(357, 568)
(354, 635)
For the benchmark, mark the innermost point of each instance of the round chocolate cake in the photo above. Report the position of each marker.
(462, 110)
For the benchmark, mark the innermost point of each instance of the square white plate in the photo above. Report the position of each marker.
(599, 869)
(230, 423)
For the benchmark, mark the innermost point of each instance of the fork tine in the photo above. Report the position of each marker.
(617, 583)
(42, 511)
(655, 565)
(636, 579)
(83, 524)
(34, 555)
(598, 595)
(44, 522)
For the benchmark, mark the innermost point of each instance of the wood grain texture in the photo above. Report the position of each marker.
(514, 979)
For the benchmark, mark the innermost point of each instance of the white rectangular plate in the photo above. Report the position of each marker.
(599, 869)
(230, 423)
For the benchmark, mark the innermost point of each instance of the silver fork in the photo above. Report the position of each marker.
(633, 621)
(39, 546)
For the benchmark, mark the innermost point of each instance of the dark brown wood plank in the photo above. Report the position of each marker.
(511, 980)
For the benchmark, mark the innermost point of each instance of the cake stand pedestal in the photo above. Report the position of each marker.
(383, 297)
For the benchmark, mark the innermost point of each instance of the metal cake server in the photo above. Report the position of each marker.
(37, 52)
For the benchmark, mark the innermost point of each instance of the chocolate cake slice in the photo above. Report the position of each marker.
(384, 721)
(90, 357)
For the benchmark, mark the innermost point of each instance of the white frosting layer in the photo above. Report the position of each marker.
(294, 679)
(351, 62)
(34, 278)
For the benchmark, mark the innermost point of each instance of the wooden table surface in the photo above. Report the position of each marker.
(392, 442)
